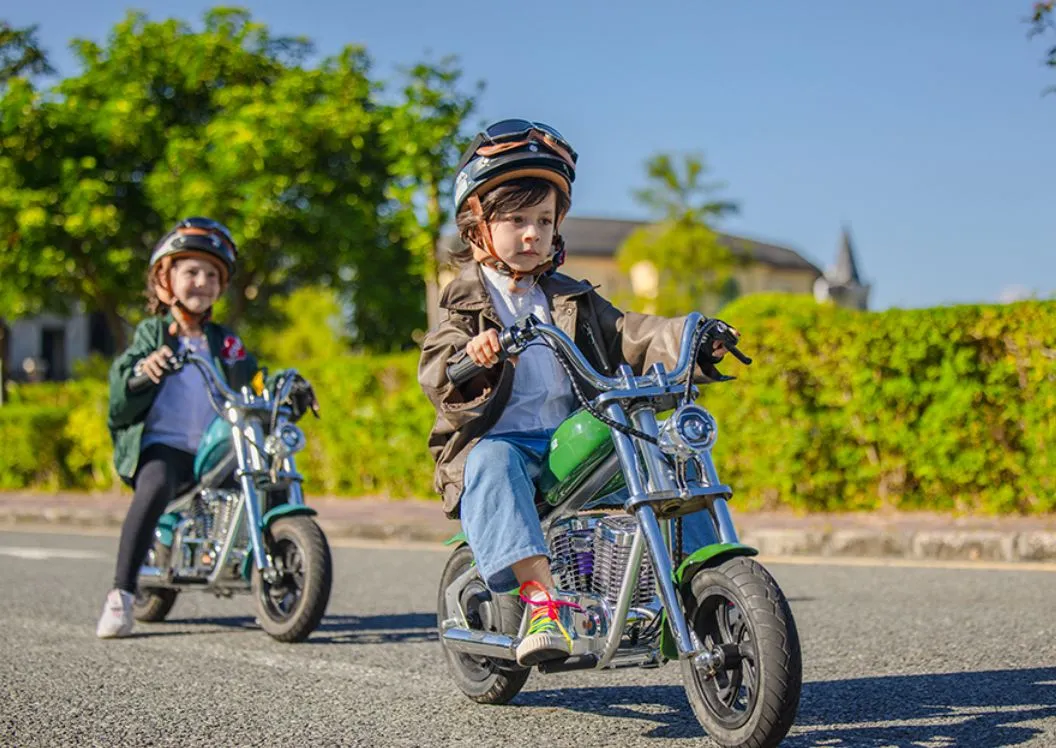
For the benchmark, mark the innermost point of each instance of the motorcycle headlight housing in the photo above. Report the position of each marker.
(690, 430)
(284, 442)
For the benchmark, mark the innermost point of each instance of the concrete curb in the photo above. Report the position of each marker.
(983, 545)
(936, 545)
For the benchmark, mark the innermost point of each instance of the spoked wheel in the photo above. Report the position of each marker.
(483, 679)
(152, 604)
(291, 606)
(745, 693)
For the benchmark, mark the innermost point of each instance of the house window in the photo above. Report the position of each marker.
(100, 340)
(53, 352)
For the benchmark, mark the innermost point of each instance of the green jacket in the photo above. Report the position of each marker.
(128, 412)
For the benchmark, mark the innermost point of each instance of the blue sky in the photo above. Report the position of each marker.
(922, 125)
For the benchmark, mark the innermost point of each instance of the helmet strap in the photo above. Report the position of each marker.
(482, 226)
(183, 317)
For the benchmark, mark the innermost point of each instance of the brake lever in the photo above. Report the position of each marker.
(729, 339)
(516, 338)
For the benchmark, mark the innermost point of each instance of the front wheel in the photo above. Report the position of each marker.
(291, 607)
(483, 679)
(749, 697)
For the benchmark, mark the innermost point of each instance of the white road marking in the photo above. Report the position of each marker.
(45, 554)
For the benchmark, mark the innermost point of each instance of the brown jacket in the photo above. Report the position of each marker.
(604, 334)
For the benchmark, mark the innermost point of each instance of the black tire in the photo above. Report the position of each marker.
(751, 703)
(291, 608)
(152, 604)
(483, 679)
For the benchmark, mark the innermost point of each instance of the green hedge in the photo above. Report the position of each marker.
(54, 436)
(945, 409)
(371, 438)
(952, 408)
(375, 422)
(33, 447)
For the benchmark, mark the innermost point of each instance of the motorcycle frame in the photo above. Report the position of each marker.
(653, 494)
(245, 414)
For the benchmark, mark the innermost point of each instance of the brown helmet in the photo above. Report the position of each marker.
(192, 237)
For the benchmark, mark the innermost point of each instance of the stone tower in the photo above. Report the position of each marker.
(841, 283)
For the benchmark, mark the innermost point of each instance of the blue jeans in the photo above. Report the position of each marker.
(498, 506)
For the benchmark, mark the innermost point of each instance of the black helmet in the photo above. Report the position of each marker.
(198, 236)
(515, 149)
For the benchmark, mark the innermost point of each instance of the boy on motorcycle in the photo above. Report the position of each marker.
(491, 435)
(156, 433)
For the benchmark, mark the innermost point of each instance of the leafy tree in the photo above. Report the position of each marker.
(1041, 22)
(424, 138)
(164, 121)
(690, 266)
(20, 53)
(315, 330)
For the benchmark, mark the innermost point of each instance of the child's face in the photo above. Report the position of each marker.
(523, 239)
(196, 283)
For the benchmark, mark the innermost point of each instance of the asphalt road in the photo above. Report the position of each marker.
(893, 656)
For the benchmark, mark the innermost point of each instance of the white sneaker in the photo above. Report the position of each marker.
(116, 620)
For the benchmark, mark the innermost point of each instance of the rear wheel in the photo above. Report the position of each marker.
(152, 604)
(483, 679)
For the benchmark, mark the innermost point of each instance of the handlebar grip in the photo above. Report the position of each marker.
(142, 382)
(465, 369)
(139, 384)
(512, 340)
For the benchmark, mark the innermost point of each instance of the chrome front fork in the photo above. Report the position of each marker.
(248, 439)
(645, 469)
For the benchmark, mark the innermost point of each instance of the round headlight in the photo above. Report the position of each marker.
(283, 443)
(292, 437)
(688, 431)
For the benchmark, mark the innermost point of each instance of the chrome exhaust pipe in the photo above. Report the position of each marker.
(152, 576)
(480, 643)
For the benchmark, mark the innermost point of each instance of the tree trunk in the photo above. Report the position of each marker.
(432, 271)
(237, 301)
(3, 359)
(116, 325)
(432, 302)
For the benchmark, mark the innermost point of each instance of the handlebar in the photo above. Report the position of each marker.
(142, 382)
(515, 338)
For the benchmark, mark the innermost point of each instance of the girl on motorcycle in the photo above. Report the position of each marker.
(512, 189)
(156, 433)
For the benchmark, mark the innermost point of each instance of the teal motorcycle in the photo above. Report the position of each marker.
(620, 479)
(243, 525)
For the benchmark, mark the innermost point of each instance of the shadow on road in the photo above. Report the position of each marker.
(334, 629)
(984, 709)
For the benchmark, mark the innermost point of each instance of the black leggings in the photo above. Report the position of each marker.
(162, 471)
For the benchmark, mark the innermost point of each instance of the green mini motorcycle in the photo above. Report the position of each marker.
(243, 525)
(619, 478)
